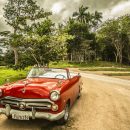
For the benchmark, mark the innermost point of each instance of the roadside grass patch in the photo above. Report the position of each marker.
(90, 65)
(117, 74)
(12, 75)
(104, 69)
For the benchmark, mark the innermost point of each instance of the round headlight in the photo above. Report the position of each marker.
(1, 92)
(55, 95)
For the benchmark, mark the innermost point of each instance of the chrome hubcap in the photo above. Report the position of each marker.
(66, 113)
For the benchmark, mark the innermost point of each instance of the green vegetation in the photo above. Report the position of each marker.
(115, 33)
(94, 64)
(117, 74)
(11, 75)
(35, 39)
(105, 69)
(83, 39)
(14, 75)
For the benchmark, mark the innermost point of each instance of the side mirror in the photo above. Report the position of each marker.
(59, 83)
(79, 74)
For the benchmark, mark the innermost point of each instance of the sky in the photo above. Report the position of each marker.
(62, 9)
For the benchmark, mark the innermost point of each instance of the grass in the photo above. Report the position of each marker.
(82, 65)
(65, 65)
(117, 74)
(92, 66)
(105, 69)
(11, 75)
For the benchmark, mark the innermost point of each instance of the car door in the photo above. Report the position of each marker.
(74, 84)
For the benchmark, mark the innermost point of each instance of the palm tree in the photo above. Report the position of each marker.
(81, 14)
(97, 18)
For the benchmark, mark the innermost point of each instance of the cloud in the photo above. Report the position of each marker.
(77, 1)
(3, 26)
(57, 7)
(120, 9)
(65, 14)
(63, 9)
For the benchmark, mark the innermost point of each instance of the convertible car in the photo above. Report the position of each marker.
(46, 93)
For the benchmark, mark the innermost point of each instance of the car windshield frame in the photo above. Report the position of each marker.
(53, 73)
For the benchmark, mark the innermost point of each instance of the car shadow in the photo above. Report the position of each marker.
(37, 124)
(11, 124)
(70, 124)
(54, 125)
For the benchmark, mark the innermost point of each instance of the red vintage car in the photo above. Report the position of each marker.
(46, 93)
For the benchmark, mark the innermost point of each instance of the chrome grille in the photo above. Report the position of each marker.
(29, 103)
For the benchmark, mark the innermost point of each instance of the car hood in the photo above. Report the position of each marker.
(31, 88)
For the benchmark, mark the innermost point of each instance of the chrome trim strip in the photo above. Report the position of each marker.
(29, 105)
(32, 114)
(27, 100)
(9, 102)
(36, 103)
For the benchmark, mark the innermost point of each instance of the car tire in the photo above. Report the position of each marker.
(9, 117)
(65, 118)
(79, 94)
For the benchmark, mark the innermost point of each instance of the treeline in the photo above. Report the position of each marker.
(113, 37)
(35, 39)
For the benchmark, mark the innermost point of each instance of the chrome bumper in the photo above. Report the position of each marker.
(32, 114)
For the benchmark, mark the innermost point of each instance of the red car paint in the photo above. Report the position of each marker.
(40, 88)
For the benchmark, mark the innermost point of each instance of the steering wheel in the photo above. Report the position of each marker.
(60, 75)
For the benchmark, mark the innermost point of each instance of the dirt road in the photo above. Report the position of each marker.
(104, 105)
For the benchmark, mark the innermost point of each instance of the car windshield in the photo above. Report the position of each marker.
(47, 73)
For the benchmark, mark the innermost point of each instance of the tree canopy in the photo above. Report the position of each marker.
(117, 32)
(35, 39)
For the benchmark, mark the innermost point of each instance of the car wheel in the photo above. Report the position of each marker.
(79, 94)
(65, 118)
(9, 117)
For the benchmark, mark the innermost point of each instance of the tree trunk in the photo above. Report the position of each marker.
(116, 59)
(120, 58)
(116, 56)
(35, 59)
(71, 57)
(15, 55)
(120, 53)
(128, 56)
